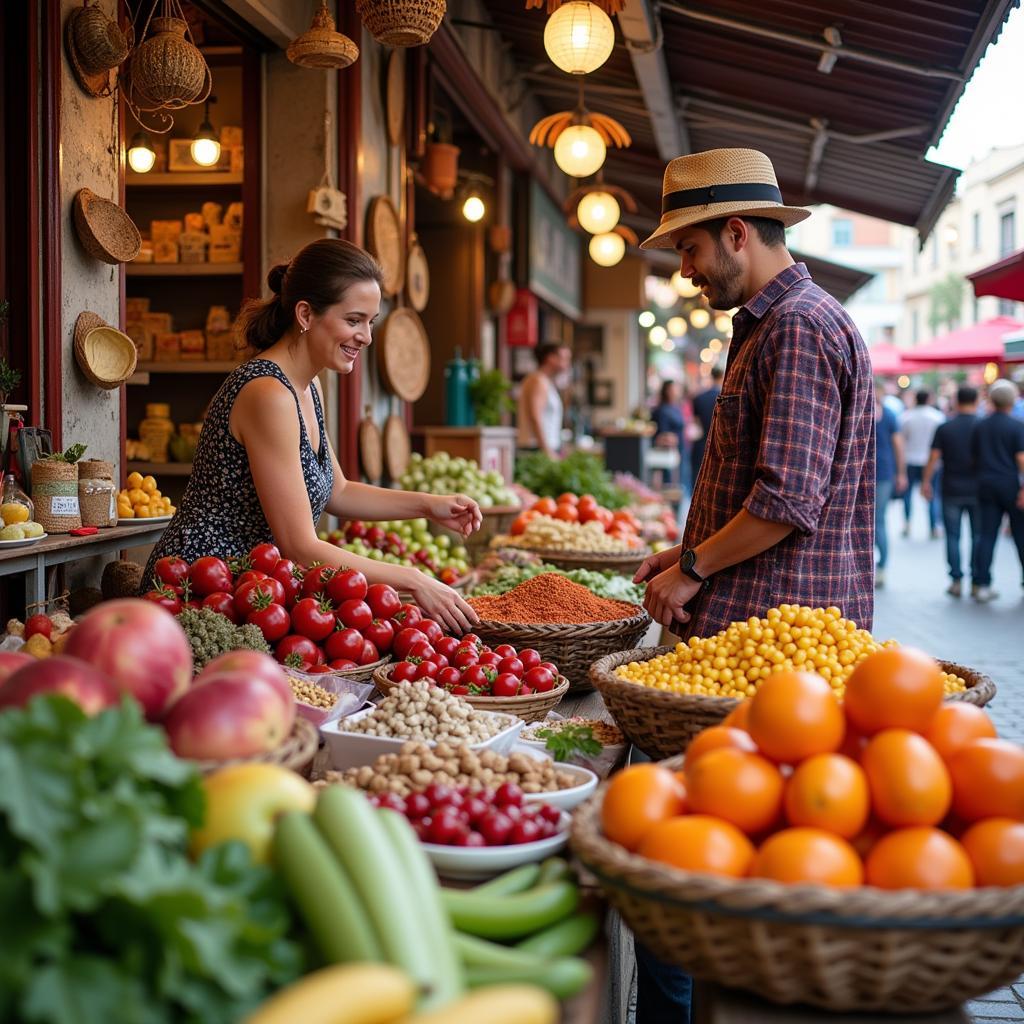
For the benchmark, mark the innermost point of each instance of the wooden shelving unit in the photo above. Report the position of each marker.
(184, 269)
(159, 469)
(169, 179)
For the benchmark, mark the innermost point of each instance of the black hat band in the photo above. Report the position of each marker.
(742, 193)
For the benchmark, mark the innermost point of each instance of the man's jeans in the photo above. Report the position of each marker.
(953, 510)
(914, 477)
(663, 993)
(995, 499)
(883, 495)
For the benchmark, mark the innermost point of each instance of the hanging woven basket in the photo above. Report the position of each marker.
(167, 70)
(322, 46)
(401, 22)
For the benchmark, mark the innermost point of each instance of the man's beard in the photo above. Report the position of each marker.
(724, 288)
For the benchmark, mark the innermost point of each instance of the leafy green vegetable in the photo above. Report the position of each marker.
(104, 916)
(72, 454)
(579, 473)
(569, 740)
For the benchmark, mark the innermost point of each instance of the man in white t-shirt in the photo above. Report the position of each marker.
(918, 426)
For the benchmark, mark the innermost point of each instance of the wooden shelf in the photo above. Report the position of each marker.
(183, 269)
(170, 179)
(159, 469)
(188, 366)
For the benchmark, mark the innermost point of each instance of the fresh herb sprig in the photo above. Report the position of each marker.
(572, 739)
(71, 455)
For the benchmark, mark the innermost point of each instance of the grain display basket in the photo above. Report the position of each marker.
(97, 494)
(55, 495)
(864, 949)
(532, 708)
(572, 647)
(106, 232)
(662, 724)
(401, 22)
(296, 753)
(626, 563)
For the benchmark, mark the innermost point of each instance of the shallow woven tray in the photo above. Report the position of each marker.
(571, 647)
(531, 708)
(105, 355)
(105, 230)
(626, 563)
(662, 724)
(863, 949)
(296, 753)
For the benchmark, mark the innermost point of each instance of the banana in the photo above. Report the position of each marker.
(341, 994)
(499, 1004)
(325, 897)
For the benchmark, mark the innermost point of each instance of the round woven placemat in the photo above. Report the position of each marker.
(403, 354)
(417, 278)
(384, 239)
(397, 446)
(371, 449)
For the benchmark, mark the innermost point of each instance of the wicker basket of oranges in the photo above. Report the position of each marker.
(858, 856)
(142, 499)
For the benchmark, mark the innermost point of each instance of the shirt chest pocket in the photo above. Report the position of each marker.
(725, 427)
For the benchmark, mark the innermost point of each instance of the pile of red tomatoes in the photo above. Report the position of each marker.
(571, 509)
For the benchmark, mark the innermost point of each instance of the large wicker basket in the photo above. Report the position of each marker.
(401, 22)
(296, 753)
(625, 563)
(845, 950)
(571, 647)
(662, 724)
(531, 708)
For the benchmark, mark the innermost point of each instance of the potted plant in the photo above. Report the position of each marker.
(9, 377)
(490, 393)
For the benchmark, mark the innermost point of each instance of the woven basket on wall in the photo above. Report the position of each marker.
(571, 647)
(106, 231)
(401, 22)
(662, 724)
(865, 949)
(105, 355)
(55, 495)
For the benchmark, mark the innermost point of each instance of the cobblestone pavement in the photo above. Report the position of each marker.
(913, 608)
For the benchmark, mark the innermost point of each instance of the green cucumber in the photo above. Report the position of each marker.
(476, 952)
(510, 917)
(517, 880)
(433, 923)
(562, 978)
(554, 869)
(566, 938)
(349, 823)
(325, 897)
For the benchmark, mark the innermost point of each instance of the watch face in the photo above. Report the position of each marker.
(687, 559)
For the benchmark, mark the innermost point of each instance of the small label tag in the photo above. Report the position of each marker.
(64, 506)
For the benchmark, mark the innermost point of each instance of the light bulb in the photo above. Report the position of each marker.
(473, 209)
(579, 37)
(141, 155)
(677, 326)
(700, 318)
(598, 212)
(646, 318)
(580, 151)
(606, 250)
(684, 286)
(658, 335)
(205, 146)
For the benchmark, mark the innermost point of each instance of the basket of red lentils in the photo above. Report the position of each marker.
(565, 622)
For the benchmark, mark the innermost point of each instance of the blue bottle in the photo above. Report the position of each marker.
(456, 392)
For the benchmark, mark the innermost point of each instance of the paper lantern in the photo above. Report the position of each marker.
(579, 37)
(608, 249)
(580, 151)
(598, 212)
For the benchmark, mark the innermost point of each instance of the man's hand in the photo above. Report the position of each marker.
(926, 490)
(668, 593)
(653, 564)
(901, 485)
(1020, 498)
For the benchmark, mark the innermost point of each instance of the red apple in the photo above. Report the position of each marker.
(255, 664)
(11, 661)
(89, 688)
(229, 715)
(140, 646)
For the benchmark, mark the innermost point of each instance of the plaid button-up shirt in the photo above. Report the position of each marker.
(792, 441)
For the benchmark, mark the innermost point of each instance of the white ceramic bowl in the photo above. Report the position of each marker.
(354, 749)
(486, 861)
(567, 799)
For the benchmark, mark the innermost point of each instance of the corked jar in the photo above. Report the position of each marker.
(156, 430)
(55, 495)
(97, 494)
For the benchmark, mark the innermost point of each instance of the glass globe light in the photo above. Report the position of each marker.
(646, 318)
(606, 250)
(141, 155)
(579, 37)
(684, 286)
(677, 326)
(473, 209)
(580, 151)
(658, 335)
(598, 212)
(205, 148)
(700, 318)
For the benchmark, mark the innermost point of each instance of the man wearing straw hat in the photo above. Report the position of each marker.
(783, 506)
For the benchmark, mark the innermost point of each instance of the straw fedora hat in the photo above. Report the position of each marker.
(106, 355)
(95, 46)
(719, 183)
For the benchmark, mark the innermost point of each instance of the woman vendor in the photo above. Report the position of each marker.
(264, 468)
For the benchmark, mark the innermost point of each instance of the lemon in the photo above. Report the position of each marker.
(32, 529)
(13, 532)
(13, 512)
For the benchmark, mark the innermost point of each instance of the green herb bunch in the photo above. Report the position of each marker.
(71, 455)
(491, 397)
(210, 634)
(579, 473)
(104, 917)
(569, 740)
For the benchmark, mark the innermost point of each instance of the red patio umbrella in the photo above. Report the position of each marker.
(887, 360)
(979, 343)
(1004, 280)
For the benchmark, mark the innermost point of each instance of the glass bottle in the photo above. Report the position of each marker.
(12, 493)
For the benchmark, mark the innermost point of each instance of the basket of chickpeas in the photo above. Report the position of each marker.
(661, 697)
(142, 499)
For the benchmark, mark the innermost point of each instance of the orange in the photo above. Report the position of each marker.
(637, 799)
(996, 849)
(988, 780)
(895, 688)
(954, 725)
(741, 787)
(808, 855)
(716, 737)
(794, 715)
(698, 842)
(909, 782)
(918, 858)
(739, 717)
(828, 792)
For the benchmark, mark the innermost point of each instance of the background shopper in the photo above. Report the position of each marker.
(918, 426)
(540, 410)
(703, 411)
(890, 476)
(670, 423)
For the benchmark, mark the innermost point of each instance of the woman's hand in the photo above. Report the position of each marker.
(442, 603)
(455, 512)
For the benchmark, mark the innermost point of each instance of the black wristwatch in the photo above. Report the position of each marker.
(687, 560)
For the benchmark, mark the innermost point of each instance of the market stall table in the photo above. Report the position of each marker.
(59, 549)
